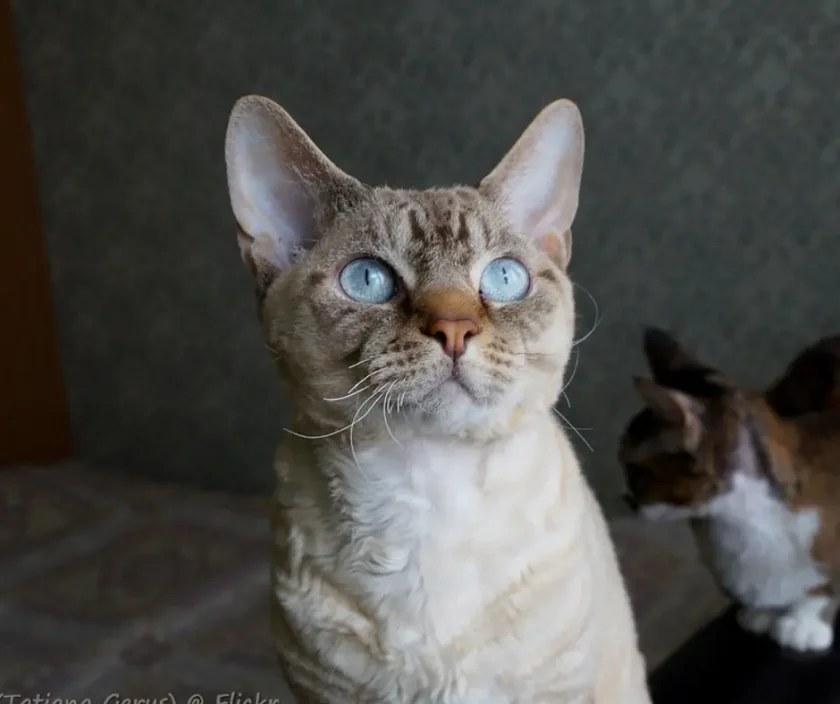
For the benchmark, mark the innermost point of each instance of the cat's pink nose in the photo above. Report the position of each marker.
(453, 334)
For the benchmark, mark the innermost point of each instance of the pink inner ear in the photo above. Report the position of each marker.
(557, 245)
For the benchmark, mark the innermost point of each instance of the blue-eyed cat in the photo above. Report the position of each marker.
(435, 539)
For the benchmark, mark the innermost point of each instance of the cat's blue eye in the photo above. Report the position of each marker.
(505, 280)
(368, 281)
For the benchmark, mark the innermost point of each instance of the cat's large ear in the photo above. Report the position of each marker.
(674, 366)
(811, 382)
(280, 185)
(537, 184)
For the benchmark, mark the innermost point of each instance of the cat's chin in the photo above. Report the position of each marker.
(454, 392)
(453, 409)
(450, 401)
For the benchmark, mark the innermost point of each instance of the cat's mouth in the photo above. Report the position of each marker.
(454, 383)
(452, 387)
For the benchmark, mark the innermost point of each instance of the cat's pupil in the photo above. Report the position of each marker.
(505, 275)
(367, 277)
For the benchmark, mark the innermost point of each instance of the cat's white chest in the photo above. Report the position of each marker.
(759, 549)
(467, 576)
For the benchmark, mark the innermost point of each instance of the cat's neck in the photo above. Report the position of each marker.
(408, 451)
(797, 450)
(769, 450)
(764, 473)
(775, 458)
(391, 484)
(436, 511)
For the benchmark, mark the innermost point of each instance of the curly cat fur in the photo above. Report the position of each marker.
(435, 539)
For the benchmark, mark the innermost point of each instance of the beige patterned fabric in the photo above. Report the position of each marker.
(116, 585)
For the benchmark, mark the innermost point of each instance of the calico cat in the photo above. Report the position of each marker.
(758, 476)
(435, 539)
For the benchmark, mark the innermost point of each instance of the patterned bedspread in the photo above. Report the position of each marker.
(113, 588)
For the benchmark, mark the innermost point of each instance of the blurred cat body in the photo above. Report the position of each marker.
(435, 539)
(756, 473)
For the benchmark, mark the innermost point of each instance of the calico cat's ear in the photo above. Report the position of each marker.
(537, 184)
(665, 354)
(674, 366)
(811, 382)
(671, 405)
(280, 184)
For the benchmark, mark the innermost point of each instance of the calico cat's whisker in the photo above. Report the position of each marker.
(574, 429)
(597, 320)
(346, 396)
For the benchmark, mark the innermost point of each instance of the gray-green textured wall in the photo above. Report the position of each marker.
(710, 204)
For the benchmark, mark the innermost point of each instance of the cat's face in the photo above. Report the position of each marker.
(449, 307)
(680, 452)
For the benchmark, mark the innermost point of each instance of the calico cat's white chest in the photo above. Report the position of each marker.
(759, 549)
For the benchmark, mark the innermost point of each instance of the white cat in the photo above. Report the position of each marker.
(436, 541)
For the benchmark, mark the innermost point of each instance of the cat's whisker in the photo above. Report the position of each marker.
(375, 397)
(364, 379)
(515, 353)
(386, 409)
(569, 380)
(334, 432)
(387, 404)
(317, 437)
(597, 316)
(346, 396)
(573, 428)
(362, 361)
(314, 437)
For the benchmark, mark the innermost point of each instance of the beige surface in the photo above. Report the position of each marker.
(111, 585)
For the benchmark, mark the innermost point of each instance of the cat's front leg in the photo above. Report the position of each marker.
(808, 626)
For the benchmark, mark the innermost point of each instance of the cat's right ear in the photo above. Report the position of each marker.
(537, 184)
(280, 183)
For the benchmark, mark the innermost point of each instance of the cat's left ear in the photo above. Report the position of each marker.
(537, 184)
(281, 186)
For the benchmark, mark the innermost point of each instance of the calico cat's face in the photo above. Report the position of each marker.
(680, 452)
(450, 307)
